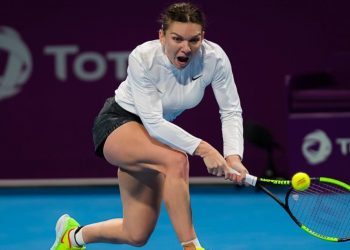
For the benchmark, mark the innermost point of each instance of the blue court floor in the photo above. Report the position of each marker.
(226, 218)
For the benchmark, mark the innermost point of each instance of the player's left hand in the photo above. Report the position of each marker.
(234, 161)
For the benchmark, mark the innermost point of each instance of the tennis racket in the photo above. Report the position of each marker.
(322, 210)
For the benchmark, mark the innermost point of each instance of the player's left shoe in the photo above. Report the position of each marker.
(192, 247)
(198, 248)
(64, 225)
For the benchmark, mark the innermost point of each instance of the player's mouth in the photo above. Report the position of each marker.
(182, 61)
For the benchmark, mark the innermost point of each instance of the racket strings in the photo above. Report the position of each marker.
(319, 188)
(331, 212)
(324, 208)
(335, 193)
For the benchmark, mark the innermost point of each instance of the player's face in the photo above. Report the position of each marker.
(181, 41)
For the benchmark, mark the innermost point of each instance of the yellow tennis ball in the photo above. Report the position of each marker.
(301, 181)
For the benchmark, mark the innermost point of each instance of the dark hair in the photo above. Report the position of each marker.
(182, 12)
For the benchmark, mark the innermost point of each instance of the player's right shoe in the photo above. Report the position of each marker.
(64, 225)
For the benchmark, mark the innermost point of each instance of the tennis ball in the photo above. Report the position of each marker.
(301, 181)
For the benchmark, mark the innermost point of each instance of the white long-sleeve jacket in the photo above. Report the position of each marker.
(158, 92)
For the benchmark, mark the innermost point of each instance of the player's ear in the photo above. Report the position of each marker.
(203, 33)
(161, 36)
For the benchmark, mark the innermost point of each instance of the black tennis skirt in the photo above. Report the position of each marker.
(109, 118)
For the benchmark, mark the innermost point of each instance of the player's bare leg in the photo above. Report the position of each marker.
(141, 194)
(134, 150)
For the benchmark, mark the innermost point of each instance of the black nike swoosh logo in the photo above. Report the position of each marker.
(159, 91)
(196, 77)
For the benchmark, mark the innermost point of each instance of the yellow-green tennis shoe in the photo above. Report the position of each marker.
(64, 225)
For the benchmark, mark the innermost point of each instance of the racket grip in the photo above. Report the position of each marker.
(249, 179)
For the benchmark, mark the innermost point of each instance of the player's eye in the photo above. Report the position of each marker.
(194, 40)
(177, 39)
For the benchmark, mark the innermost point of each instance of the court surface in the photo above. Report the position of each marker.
(225, 218)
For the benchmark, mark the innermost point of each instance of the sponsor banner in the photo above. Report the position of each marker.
(319, 144)
(19, 63)
(50, 93)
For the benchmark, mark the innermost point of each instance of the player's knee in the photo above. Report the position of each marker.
(178, 166)
(138, 240)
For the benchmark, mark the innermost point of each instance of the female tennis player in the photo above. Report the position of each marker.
(134, 131)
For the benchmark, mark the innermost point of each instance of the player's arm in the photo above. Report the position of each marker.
(226, 95)
(230, 109)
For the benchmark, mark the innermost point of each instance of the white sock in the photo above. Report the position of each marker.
(195, 242)
(76, 238)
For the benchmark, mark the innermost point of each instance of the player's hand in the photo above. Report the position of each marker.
(213, 160)
(234, 161)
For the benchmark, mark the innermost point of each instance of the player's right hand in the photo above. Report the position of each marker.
(213, 160)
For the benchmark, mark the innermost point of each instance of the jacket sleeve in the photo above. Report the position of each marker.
(227, 97)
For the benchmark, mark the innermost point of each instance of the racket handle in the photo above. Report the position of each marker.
(249, 179)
